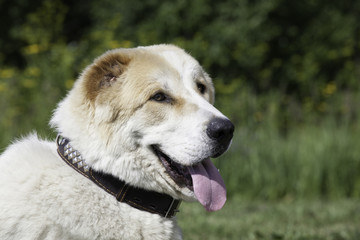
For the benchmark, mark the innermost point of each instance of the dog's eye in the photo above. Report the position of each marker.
(159, 97)
(201, 87)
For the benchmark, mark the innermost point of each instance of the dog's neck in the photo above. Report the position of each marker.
(150, 201)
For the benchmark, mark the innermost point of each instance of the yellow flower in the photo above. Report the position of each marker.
(28, 83)
(32, 49)
(33, 71)
(7, 73)
(329, 89)
(126, 44)
(114, 44)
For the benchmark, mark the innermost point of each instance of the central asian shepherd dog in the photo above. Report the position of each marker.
(136, 134)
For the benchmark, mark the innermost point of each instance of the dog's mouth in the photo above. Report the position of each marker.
(179, 173)
(203, 178)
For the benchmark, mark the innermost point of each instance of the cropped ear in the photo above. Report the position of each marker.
(104, 72)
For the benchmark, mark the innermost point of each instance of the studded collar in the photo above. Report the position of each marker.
(150, 201)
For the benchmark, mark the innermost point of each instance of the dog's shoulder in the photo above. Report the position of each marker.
(28, 153)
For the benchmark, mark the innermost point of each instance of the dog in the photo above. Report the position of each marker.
(136, 134)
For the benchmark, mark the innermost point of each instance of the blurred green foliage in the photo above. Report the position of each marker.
(287, 73)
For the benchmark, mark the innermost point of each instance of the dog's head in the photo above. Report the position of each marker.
(146, 116)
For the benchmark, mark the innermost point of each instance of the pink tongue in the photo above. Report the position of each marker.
(208, 185)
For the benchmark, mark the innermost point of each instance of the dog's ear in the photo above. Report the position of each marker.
(105, 71)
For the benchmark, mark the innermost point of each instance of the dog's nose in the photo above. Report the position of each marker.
(221, 130)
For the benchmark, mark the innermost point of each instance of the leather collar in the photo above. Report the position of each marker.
(144, 200)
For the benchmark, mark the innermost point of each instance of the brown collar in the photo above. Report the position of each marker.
(149, 201)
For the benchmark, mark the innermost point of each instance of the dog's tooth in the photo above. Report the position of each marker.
(86, 168)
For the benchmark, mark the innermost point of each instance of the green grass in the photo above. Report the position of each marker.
(290, 220)
(310, 161)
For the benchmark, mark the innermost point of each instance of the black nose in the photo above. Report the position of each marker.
(221, 130)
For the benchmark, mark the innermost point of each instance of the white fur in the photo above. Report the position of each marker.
(43, 198)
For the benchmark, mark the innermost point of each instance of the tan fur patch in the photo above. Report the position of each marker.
(104, 72)
(135, 75)
(141, 80)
